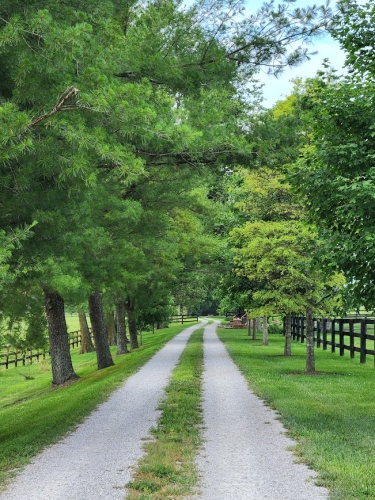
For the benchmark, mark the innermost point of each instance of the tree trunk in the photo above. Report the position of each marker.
(249, 325)
(103, 354)
(265, 330)
(122, 347)
(62, 367)
(258, 324)
(132, 324)
(288, 336)
(254, 329)
(111, 328)
(310, 355)
(86, 342)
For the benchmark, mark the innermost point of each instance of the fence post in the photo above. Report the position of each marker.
(341, 338)
(363, 340)
(293, 327)
(333, 336)
(318, 333)
(324, 322)
(303, 330)
(7, 358)
(351, 332)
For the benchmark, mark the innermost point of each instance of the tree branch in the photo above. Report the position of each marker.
(65, 96)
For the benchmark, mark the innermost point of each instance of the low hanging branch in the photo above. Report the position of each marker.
(59, 106)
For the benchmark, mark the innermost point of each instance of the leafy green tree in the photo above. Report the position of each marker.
(104, 92)
(352, 27)
(273, 249)
(22, 320)
(334, 178)
(276, 256)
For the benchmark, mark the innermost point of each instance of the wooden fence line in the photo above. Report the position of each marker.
(184, 318)
(16, 357)
(346, 334)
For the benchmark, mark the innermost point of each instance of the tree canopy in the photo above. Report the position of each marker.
(111, 116)
(335, 175)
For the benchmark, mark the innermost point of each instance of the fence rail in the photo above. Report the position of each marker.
(356, 335)
(184, 318)
(20, 357)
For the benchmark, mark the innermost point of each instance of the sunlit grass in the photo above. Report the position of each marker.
(168, 469)
(332, 415)
(34, 415)
(72, 321)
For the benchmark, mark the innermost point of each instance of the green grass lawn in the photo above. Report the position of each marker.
(332, 415)
(168, 469)
(72, 321)
(34, 415)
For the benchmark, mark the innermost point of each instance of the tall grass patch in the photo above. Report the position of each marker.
(331, 415)
(168, 468)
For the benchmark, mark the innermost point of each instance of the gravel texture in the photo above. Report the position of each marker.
(94, 461)
(245, 456)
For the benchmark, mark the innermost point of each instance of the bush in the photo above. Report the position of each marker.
(275, 328)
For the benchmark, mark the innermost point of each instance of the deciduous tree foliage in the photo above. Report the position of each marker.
(335, 175)
(95, 94)
(273, 249)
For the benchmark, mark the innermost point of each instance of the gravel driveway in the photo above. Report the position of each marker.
(94, 461)
(245, 455)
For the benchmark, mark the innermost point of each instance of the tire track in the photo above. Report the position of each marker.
(246, 455)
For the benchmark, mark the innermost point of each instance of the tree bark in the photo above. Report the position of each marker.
(310, 355)
(265, 330)
(86, 342)
(288, 336)
(103, 353)
(62, 367)
(122, 347)
(132, 323)
(257, 324)
(111, 328)
(254, 329)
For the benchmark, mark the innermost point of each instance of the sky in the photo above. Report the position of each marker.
(277, 88)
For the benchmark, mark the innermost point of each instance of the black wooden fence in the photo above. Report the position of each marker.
(18, 357)
(184, 318)
(353, 334)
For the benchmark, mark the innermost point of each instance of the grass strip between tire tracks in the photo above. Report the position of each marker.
(331, 415)
(34, 415)
(168, 469)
